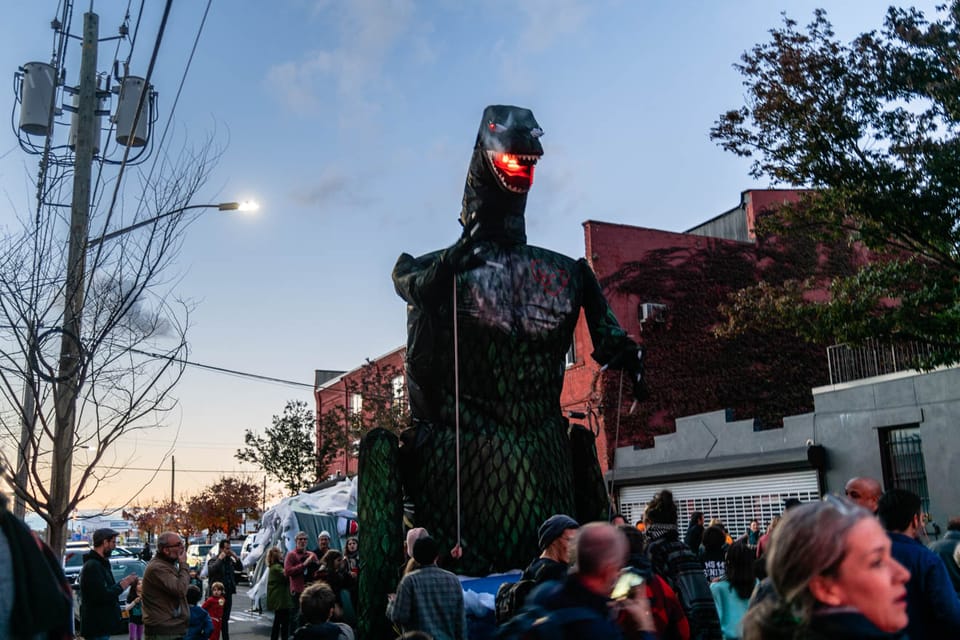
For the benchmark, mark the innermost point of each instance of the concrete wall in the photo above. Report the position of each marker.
(846, 421)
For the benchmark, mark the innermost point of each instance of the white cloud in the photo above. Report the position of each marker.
(549, 21)
(351, 71)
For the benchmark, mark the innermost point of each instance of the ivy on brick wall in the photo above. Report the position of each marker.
(764, 374)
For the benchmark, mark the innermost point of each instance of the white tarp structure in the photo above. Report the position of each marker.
(333, 509)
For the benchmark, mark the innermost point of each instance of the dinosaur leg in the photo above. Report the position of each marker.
(380, 512)
(589, 490)
(508, 486)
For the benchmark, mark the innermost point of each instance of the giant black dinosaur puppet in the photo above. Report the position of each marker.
(490, 320)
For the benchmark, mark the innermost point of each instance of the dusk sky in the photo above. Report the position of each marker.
(352, 122)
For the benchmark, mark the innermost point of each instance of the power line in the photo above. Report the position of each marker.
(178, 470)
(232, 372)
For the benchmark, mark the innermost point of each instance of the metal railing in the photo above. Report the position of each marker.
(848, 363)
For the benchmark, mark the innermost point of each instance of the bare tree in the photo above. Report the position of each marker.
(131, 347)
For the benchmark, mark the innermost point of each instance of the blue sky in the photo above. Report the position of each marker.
(352, 122)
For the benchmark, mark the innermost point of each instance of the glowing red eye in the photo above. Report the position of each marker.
(492, 126)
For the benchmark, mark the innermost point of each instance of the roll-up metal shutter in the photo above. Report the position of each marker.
(735, 501)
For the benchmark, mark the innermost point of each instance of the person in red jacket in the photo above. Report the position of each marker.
(296, 566)
(214, 606)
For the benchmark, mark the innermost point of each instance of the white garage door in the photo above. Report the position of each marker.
(736, 501)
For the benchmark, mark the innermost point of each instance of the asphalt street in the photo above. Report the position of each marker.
(244, 623)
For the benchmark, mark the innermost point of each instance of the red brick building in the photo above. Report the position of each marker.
(345, 394)
(664, 287)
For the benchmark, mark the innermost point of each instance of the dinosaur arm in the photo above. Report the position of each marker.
(612, 346)
(422, 282)
(609, 338)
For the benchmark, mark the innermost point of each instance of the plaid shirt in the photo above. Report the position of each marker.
(430, 600)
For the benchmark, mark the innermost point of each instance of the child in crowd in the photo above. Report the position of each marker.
(196, 580)
(134, 610)
(316, 605)
(201, 626)
(214, 606)
(732, 593)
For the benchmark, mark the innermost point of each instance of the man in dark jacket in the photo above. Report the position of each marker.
(35, 599)
(673, 561)
(945, 549)
(99, 592)
(602, 551)
(932, 605)
(223, 569)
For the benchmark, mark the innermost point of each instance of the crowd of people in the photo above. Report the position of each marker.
(844, 567)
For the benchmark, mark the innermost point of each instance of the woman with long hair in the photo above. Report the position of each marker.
(731, 593)
(279, 599)
(713, 553)
(830, 563)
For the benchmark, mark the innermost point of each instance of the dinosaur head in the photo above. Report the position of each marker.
(501, 174)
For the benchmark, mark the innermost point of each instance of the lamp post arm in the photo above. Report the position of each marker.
(223, 206)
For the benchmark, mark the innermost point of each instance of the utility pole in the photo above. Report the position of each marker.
(71, 356)
(173, 475)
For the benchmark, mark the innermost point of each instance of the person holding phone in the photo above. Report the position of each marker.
(165, 582)
(601, 553)
(223, 569)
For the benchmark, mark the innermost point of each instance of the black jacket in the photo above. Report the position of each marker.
(844, 625)
(42, 601)
(224, 571)
(99, 593)
(570, 592)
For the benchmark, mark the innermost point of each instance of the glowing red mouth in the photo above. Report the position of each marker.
(515, 171)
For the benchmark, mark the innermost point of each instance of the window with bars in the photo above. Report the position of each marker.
(901, 455)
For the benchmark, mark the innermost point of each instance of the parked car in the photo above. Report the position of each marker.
(197, 554)
(73, 558)
(120, 567)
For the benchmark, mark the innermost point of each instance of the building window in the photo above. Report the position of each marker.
(901, 455)
(399, 393)
(356, 404)
(571, 357)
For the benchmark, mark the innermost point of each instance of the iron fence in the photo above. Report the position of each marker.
(848, 363)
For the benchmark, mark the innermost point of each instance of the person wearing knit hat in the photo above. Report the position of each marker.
(555, 536)
(554, 527)
(323, 543)
(412, 536)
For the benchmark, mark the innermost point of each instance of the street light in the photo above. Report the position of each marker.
(62, 441)
(246, 205)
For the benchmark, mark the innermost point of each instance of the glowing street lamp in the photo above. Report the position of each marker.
(246, 205)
